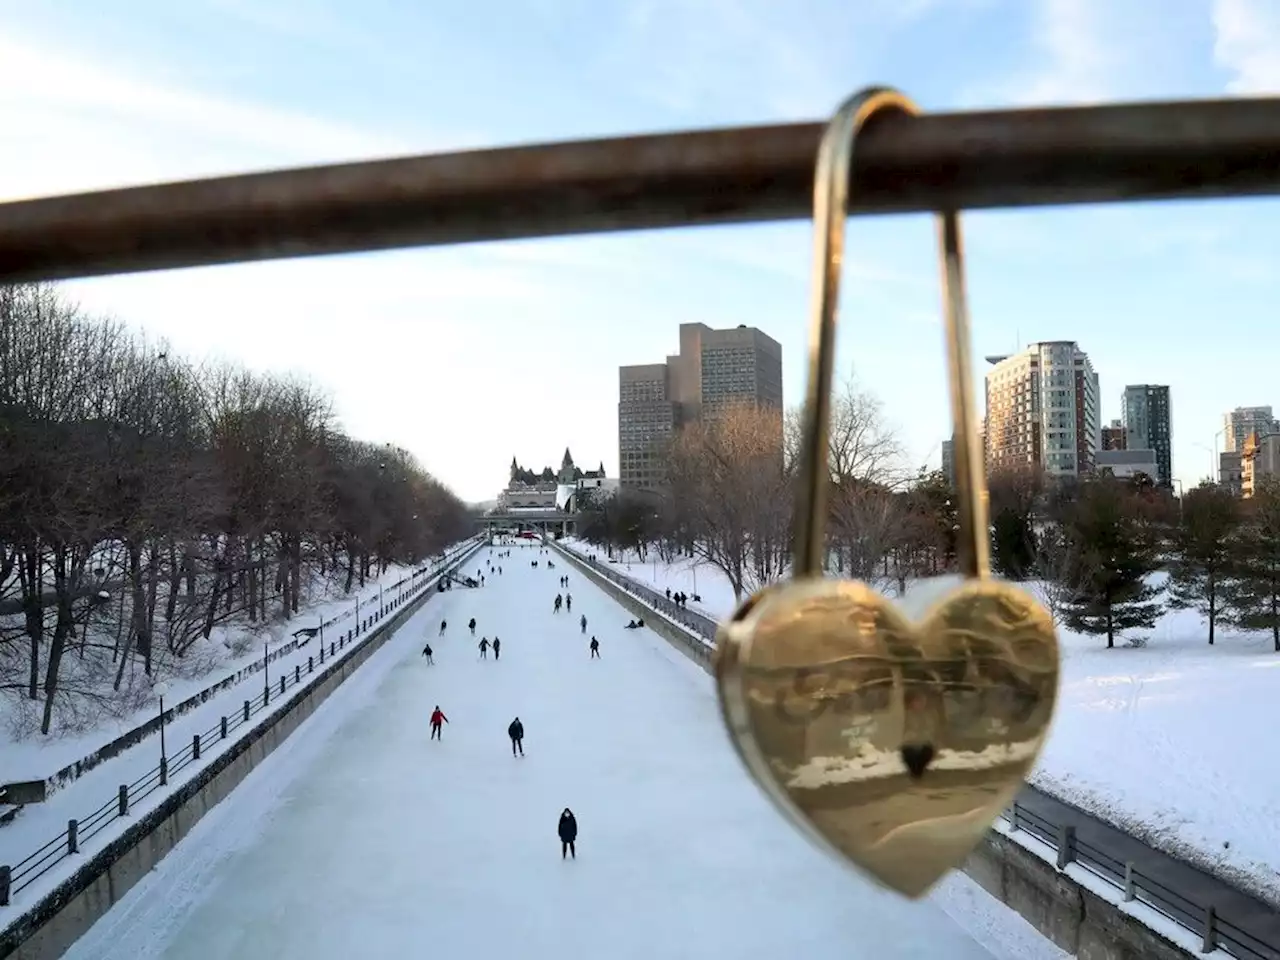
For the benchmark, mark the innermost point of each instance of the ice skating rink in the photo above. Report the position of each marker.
(360, 838)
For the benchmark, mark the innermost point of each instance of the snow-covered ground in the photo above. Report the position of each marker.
(36, 757)
(359, 837)
(39, 824)
(1166, 741)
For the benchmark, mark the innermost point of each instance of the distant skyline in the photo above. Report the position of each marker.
(468, 355)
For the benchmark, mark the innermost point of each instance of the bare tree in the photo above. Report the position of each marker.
(727, 471)
(144, 502)
(865, 463)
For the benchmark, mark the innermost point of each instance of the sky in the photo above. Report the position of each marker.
(468, 356)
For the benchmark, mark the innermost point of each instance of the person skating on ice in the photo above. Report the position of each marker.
(437, 720)
(595, 648)
(426, 652)
(568, 602)
(568, 830)
(583, 623)
(444, 625)
(516, 733)
(484, 648)
(472, 625)
(497, 649)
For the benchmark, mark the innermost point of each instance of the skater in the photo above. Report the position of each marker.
(568, 830)
(482, 580)
(583, 621)
(426, 652)
(559, 601)
(437, 718)
(497, 649)
(568, 602)
(595, 649)
(472, 625)
(516, 733)
(444, 624)
(484, 648)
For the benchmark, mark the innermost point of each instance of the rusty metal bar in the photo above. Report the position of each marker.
(1018, 158)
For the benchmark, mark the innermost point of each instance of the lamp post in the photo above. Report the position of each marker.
(266, 680)
(161, 689)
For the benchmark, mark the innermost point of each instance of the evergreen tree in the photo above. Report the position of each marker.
(1251, 597)
(1013, 502)
(1204, 546)
(1114, 551)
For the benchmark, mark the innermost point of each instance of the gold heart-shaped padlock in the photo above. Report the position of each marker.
(893, 741)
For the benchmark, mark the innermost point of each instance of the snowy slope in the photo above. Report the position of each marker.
(1160, 740)
(360, 838)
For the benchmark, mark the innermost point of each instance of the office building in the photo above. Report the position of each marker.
(1043, 411)
(1148, 426)
(714, 369)
(949, 460)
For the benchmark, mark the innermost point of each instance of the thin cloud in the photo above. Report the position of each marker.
(1247, 44)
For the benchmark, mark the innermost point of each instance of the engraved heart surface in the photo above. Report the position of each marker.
(894, 743)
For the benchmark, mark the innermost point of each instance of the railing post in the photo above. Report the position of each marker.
(282, 679)
(1210, 943)
(164, 770)
(311, 665)
(5, 874)
(195, 746)
(222, 728)
(1066, 845)
(246, 711)
(73, 836)
(122, 805)
(297, 673)
(1129, 891)
(322, 654)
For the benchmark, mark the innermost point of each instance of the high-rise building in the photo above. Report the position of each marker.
(1243, 422)
(1148, 425)
(1259, 458)
(1043, 410)
(1114, 437)
(949, 460)
(713, 369)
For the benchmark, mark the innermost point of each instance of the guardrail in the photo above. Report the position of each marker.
(1205, 921)
(131, 738)
(14, 878)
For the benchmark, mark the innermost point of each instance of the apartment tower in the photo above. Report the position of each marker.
(1148, 426)
(1043, 411)
(1244, 422)
(713, 369)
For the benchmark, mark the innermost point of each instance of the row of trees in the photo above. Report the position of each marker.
(145, 500)
(1089, 548)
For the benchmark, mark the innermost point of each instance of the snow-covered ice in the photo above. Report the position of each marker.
(361, 838)
(1160, 740)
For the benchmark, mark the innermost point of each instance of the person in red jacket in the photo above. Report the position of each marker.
(437, 718)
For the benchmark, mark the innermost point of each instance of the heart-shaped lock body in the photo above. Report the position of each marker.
(895, 743)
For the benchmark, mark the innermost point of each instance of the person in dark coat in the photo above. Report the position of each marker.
(516, 733)
(568, 831)
(595, 649)
(426, 652)
(497, 649)
(484, 648)
(472, 625)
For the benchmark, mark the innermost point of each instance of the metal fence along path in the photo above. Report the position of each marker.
(16, 877)
(1221, 916)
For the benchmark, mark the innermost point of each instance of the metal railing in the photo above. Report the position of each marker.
(1206, 921)
(927, 163)
(16, 877)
